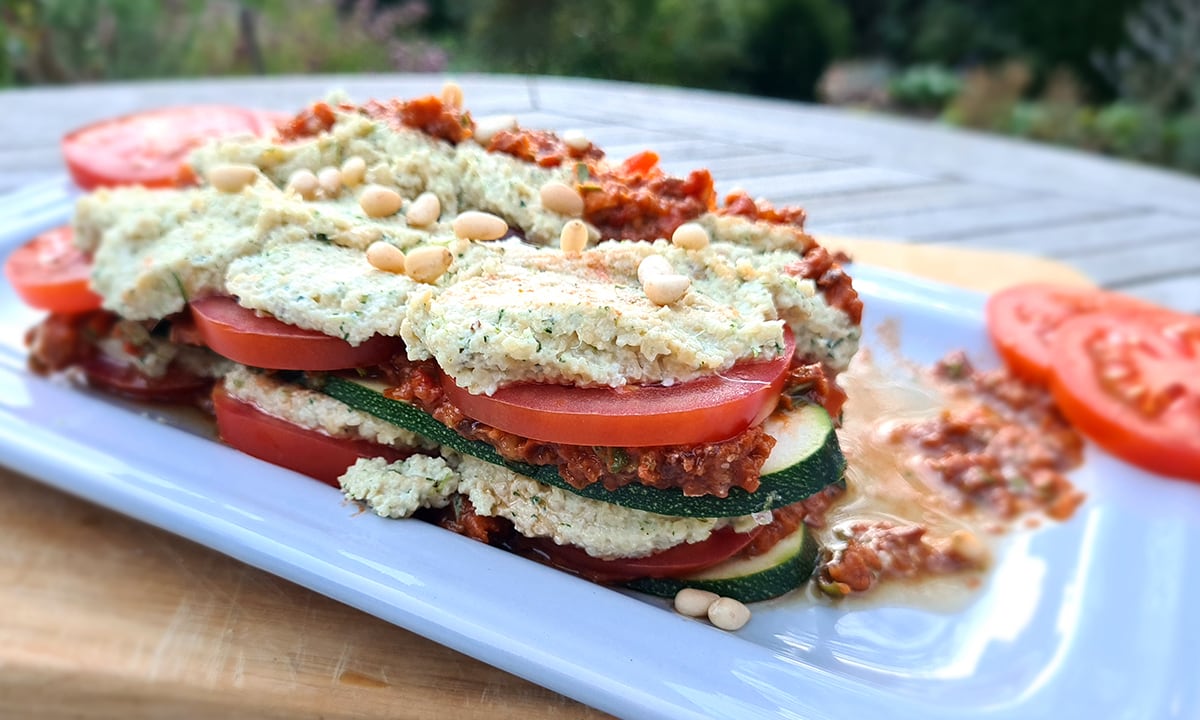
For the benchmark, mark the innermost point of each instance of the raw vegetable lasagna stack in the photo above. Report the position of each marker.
(590, 362)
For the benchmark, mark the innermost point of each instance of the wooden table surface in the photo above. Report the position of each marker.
(102, 616)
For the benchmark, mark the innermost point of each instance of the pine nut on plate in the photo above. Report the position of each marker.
(728, 614)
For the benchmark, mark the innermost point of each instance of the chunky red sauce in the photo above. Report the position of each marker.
(428, 114)
(701, 469)
(636, 200)
(541, 147)
(967, 452)
(822, 267)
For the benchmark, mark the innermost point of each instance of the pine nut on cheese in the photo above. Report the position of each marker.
(425, 210)
(354, 170)
(304, 183)
(573, 238)
(385, 256)
(653, 265)
(562, 199)
(427, 263)
(378, 201)
(330, 180)
(231, 178)
(477, 225)
(486, 128)
(666, 288)
(690, 236)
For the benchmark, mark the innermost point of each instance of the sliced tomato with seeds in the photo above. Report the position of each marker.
(245, 427)
(1022, 321)
(682, 559)
(244, 336)
(149, 148)
(1132, 384)
(176, 385)
(50, 273)
(710, 409)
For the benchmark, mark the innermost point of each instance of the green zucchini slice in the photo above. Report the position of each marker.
(805, 460)
(783, 568)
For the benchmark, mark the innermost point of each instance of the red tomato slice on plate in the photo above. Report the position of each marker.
(683, 559)
(50, 273)
(710, 409)
(244, 336)
(149, 148)
(1132, 384)
(1022, 321)
(309, 452)
(176, 385)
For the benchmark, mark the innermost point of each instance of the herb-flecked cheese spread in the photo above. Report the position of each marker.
(504, 311)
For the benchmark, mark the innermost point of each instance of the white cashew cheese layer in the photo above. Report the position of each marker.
(503, 311)
(602, 529)
(316, 411)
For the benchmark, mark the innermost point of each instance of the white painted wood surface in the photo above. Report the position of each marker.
(1132, 227)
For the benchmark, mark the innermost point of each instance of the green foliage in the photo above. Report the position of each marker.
(49, 41)
(925, 87)
(775, 47)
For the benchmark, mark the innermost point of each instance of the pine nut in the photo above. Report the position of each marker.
(653, 265)
(330, 180)
(486, 128)
(378, 201)
(576, 140)
(690, 236)
(728, 614)
(427, 263)
(452, 95)
(562, 199)
(666, 289)
(476, 225)
(231, 178)
(304, 183)
(425, 210)
(354, 170)
(969, 547)
(386, 257)
(693, 602)
(574, 237)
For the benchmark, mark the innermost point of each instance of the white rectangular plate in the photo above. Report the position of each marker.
(1089, 618)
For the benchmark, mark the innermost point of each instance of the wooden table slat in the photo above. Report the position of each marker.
(961, 224)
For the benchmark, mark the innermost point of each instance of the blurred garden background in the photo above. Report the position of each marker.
(1120, 77)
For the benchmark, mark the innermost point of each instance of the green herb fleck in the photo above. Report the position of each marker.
(179, 284)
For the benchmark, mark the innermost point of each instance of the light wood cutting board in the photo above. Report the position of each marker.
(105, 617)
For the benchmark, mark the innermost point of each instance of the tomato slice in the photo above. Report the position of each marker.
(1132, 384)
(680, 560)
(50, 273)
(710, 409)
(148, 148)
(176, 385)
(309, 452)
(244, 336)
(1022, 321)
